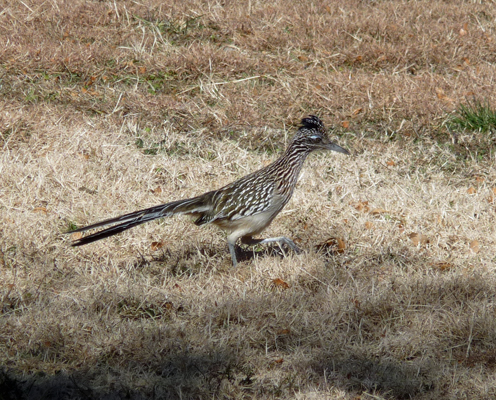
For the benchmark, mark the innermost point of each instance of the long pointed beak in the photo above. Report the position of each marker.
(334, 147)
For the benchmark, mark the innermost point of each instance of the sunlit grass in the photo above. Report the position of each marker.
(109, 107)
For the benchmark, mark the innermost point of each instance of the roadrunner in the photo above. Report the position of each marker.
(243, 208)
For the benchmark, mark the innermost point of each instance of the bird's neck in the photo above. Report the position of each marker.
(295, 154)
(290, 163)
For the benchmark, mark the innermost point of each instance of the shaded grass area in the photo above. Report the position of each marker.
(320, 333)
(107, 107)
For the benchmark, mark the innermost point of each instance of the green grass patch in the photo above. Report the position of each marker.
(475, 116)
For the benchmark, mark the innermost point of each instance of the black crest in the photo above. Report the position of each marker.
(312, 122)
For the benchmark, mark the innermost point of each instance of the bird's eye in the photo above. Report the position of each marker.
(316, 138)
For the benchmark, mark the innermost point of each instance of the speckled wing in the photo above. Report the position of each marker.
(250, 195)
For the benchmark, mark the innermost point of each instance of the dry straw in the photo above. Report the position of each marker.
(108, 107)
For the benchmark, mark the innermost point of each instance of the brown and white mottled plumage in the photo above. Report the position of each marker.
(243, 208)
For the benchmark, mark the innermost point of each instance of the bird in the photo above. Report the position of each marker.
(243, 208)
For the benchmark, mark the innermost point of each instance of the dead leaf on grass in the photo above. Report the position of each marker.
(331, 244)
(345, 124)
(390, 163)
(40, 210)
(157, 245)
(84, 156)
(279, 282)
(369, 225)
(356, 111)
(362, 206)
(76, 236)
(377, 211)
(283, 332)
(442, 96)
(341, 245)
(474, 246)
(490, 199)
(471, 190)
(444, 266)
(418, 238)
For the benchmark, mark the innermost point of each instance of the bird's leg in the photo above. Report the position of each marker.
(280, 240)
(232, 250)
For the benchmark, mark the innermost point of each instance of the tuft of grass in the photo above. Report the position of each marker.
(475, 116)
(72, 226)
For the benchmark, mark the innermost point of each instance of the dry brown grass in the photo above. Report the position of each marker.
(108, 107)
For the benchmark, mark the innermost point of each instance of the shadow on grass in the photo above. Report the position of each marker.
(177, 376)
(389, 378)
(324, 338)
(189, 259)
(183, 376)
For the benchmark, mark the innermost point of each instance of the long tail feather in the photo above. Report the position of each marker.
(196, 205)
(113, 230)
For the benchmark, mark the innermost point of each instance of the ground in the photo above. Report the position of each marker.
(109, 107)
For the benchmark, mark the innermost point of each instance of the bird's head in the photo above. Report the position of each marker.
(313, 135)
